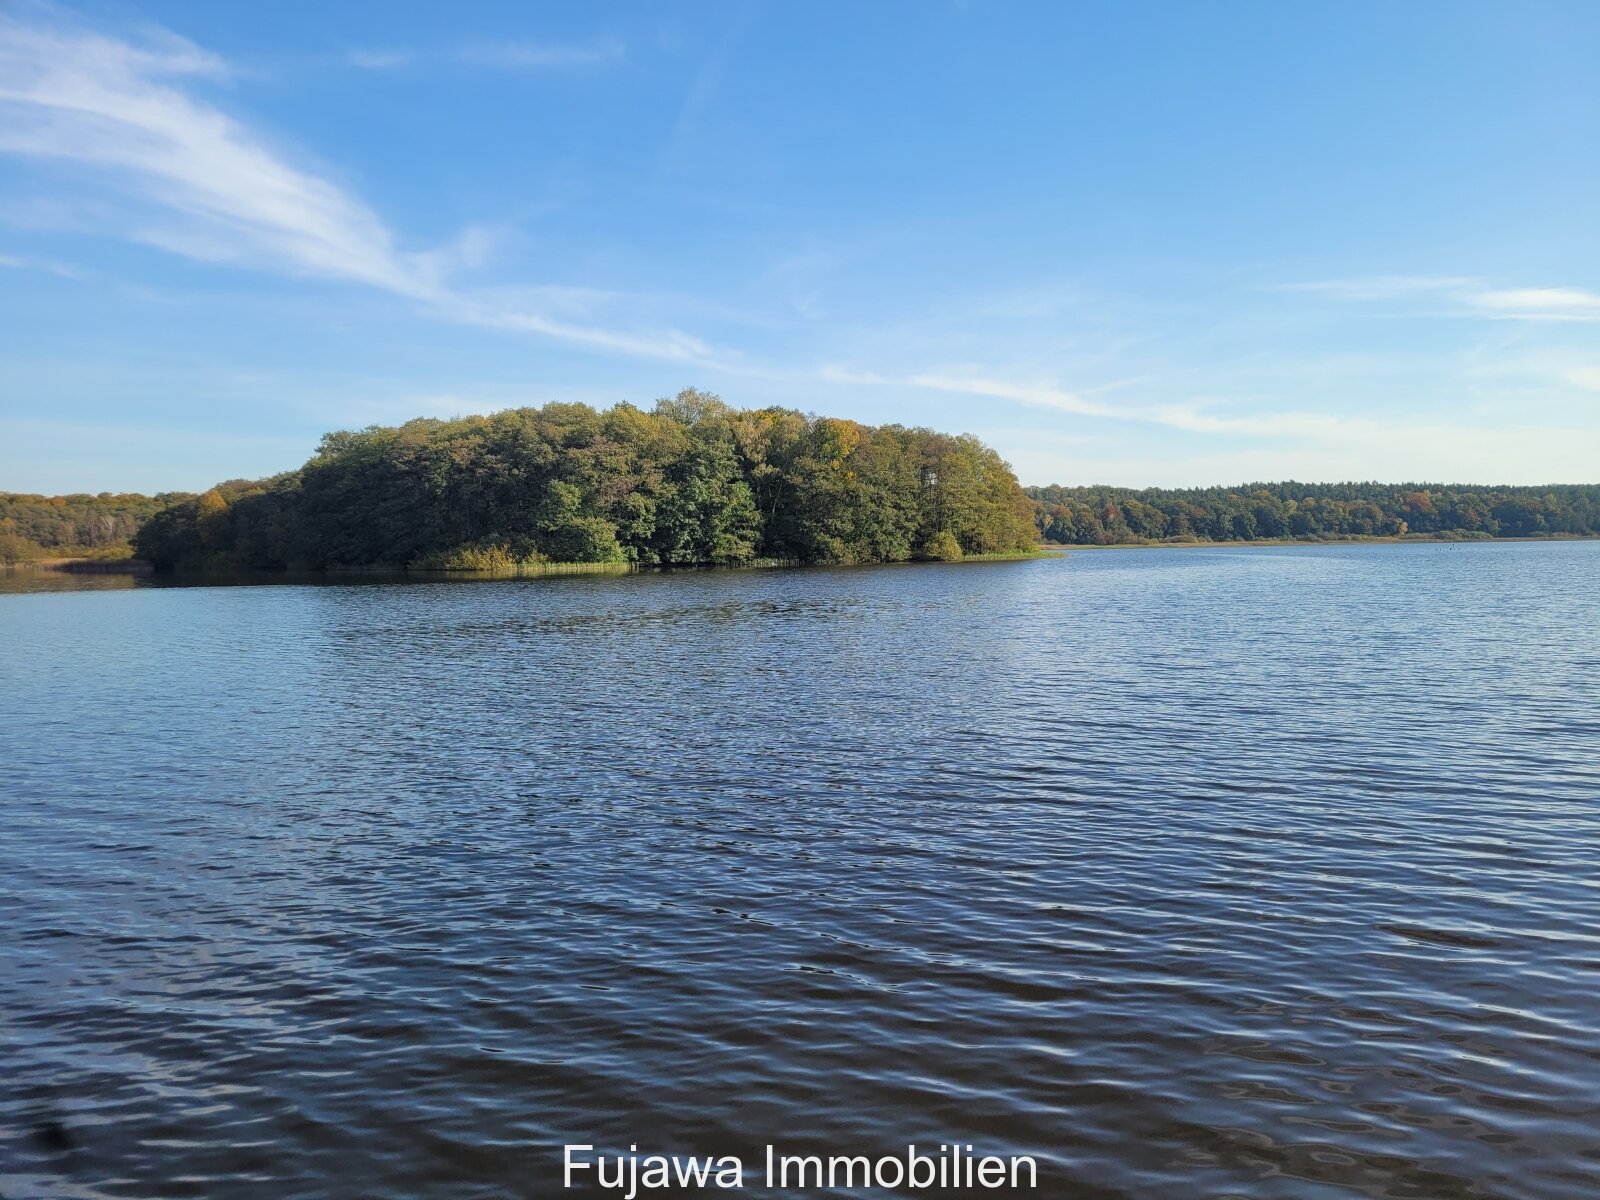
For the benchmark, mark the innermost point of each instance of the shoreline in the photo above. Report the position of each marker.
(1374, 540)
(138, 566)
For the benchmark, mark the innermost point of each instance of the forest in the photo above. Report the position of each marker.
(78, 526)
(1103, 516)
(692, 482)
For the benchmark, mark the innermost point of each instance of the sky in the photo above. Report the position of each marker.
(1143, 244)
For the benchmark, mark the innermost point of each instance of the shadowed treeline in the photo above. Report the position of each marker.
(1108, 516)
(693, 482)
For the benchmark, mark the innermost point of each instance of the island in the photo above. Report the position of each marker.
(692, 482)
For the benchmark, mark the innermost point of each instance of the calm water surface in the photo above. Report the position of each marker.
(1203, 873)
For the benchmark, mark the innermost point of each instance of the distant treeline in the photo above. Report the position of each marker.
(1108, 516)
(692, 482)
(78, 526)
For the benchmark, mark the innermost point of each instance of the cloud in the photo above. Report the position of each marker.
(1187, 418)
(1036, 395)
(670, 345)
(16, 262)
(379, 60)
(535, 55)
(190, 179)
(504, 56)
(1300, 426)
(1382, 287)
(1463, 296)
(1540, 304)
(1325, 445)
(76, 96)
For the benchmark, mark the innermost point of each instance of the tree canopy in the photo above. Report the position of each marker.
(692, 482)
(75, 526)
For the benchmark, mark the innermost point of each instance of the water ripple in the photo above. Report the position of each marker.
(1246, 873)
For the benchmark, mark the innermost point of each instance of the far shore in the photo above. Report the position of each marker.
(1428, 540)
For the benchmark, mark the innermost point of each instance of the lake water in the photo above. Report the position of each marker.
(1212, 872)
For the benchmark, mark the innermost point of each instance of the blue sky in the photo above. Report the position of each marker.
(1142, 244)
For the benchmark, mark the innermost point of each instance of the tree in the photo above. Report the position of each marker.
(14, 548)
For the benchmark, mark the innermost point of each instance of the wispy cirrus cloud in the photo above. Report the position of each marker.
(537, 55)
(1037, 395)
(1587, 378)
(1188, 418)
(373, 59)
(173, 170)
(1539, 304)
(23, 262)
(1337, 441)
(192, 179)
(1383, 287)
(1462, 296)
(501, 55)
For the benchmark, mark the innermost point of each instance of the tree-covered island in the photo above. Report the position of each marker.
(693, 482)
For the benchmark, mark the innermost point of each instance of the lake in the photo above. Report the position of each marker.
(1248, 872)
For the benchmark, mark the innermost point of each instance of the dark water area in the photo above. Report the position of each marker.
(1200, 873)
